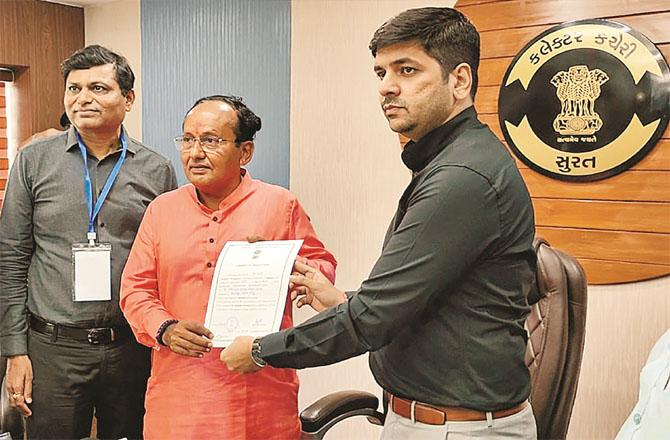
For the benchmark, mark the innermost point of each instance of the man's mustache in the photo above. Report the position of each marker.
(393, 101)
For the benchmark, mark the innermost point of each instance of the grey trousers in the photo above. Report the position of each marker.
(519, 426)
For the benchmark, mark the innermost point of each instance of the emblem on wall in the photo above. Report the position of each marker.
(585, 100)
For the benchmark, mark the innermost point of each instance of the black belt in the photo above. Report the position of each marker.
(94, 335)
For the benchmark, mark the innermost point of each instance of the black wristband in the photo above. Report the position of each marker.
(162, 328)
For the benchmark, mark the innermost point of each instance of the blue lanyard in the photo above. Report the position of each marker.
(93, 211)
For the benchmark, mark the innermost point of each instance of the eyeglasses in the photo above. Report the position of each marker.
(210, 144)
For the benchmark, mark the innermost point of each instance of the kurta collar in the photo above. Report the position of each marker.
(417, 155)
(239, 193)
(72, 140)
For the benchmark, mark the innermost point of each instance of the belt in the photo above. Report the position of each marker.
(94, 336)
(439, 415)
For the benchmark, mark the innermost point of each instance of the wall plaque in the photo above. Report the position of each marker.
(585, 100)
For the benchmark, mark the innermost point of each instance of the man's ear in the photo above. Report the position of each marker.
(463, 75)
(130, 99)
(246, 152)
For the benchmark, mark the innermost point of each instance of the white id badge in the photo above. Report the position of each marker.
(91, 272)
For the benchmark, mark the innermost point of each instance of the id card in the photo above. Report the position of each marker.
(91, 272)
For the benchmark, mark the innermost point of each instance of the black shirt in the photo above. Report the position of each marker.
(443, 310)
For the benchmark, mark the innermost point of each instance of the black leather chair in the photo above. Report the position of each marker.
(555, 327)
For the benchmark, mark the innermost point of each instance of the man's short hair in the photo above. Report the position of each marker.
(444, 33)
(95, 55)
(248, 123)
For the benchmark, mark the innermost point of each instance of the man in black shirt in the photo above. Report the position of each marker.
(442, 313)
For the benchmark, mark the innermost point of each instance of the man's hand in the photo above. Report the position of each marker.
(237, 356)
(188, 338)
(309, 286)
(255, 238)
(19, 383)
(295, 291)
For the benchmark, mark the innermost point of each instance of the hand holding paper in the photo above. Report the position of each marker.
(188, 338)
(237, 356)
(309, 286)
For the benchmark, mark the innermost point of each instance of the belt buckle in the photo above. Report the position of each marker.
(94, 336)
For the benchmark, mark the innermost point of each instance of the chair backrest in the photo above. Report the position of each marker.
(556, 328)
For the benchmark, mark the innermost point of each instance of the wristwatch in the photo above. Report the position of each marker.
(256, 353)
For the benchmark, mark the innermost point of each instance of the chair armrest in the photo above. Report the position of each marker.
(332, 408)
(10, 418)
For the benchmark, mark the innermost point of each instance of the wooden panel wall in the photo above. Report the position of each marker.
(618, 228)
(35, 38)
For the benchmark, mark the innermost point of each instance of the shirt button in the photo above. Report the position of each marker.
(209, 264)
(211, 240)
(637, 418)
(216, 219)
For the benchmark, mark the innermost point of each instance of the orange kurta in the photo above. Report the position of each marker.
(168, 276)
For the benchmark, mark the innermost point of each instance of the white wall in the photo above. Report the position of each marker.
(116, 25)
(623, 322)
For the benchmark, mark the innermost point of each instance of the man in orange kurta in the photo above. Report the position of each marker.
(166, 284)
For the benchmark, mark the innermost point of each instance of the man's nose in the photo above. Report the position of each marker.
(196, 151)
(84, 96)
(389, 85)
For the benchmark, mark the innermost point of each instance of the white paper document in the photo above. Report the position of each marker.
(249, 289)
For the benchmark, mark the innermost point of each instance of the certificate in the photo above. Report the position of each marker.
(249, 288)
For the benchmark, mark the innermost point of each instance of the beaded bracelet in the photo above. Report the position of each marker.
(162, 328)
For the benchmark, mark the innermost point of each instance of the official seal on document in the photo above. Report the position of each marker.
(585, 100)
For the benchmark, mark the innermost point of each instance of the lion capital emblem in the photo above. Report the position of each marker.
(578, 89)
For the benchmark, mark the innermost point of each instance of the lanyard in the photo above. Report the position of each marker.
(94, 210)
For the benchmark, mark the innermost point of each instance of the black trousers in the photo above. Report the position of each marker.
(74, 380)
